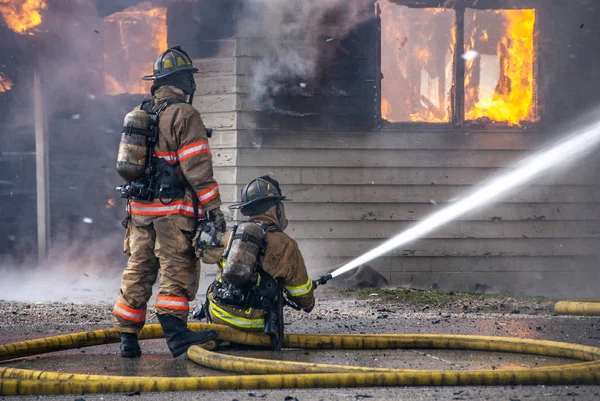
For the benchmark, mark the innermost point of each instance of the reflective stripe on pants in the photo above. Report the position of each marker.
(219, 315)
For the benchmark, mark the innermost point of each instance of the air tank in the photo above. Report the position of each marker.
(133, 148)
(243, 254)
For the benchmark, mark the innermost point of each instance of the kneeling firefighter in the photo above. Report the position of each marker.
(261, 267)
(172, 196)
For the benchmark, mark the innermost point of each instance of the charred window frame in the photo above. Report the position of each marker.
(457, 92)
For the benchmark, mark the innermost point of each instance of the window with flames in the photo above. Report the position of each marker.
(132, 40)
(455, 65)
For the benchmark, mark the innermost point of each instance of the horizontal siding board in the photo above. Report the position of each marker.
(458, 229)
(222, 120)
(434, 193)
(379, 158)
(462, 264)
(407, 175)
(228, 193)
(215, 103)
(210, 67)
(274, 139)
(225, 175)
(224, 157)
(216, 85)
(456, 247)
(414, 211)
(223, 139)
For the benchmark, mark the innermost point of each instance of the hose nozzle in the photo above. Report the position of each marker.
(322, 280)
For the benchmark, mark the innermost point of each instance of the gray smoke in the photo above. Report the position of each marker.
(294, 38)
(73, 272)
(85, 256)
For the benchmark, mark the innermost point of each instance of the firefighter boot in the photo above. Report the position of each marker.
(130, 348)
(179, 337)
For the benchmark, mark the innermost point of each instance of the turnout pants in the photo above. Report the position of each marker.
(158, 247)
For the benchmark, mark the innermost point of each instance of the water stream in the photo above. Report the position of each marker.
(575, 147)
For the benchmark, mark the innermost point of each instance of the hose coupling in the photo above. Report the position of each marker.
(322, 280)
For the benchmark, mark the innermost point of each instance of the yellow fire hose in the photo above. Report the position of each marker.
(578, 308)
(269, 375)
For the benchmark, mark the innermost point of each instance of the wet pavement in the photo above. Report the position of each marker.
(336, 314)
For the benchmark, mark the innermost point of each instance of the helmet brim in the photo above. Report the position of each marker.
(154, 77)
(255, 201)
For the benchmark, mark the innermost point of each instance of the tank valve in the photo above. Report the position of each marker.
(322, 280)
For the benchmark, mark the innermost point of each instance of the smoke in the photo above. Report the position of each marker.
(295, 38)
(78, 272)
(72, 49)
(82, 126)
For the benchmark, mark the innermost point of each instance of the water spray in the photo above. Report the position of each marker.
(574, 147)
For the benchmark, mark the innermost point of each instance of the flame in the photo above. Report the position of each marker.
(5, 83)
(133, 38)
(22, 15)
(110, 204)
(424, 115)
(504, 92)
(417, 54)
(385, 108)
(484, 36)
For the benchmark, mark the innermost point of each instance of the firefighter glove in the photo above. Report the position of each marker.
(218, 218)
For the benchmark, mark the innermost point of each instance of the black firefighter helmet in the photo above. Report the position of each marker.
(259, 195)
(169, 62)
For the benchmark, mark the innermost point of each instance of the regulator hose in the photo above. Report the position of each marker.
(590, 308)
(269, 375)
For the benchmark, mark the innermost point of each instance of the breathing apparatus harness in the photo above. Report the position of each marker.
(260, 290)
(159, 179)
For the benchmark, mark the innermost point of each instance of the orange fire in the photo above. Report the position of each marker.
(5, 83)
(22, 15)
(499, 85)
(417, 53)
(132, 39)
(385, 108)
(425, 115)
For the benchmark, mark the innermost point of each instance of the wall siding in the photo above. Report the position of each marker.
(350, 193)
(216, 99)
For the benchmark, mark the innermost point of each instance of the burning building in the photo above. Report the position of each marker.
(372, 114)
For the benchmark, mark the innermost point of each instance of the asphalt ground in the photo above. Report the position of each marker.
(337, 312)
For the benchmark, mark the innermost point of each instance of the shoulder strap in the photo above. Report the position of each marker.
(154, 110)
(150, 106)
(271, 228)
(267, 228)
(166, 103)
(147, 105)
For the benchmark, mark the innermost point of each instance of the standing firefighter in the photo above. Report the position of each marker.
(165, 157)
(259, 257)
